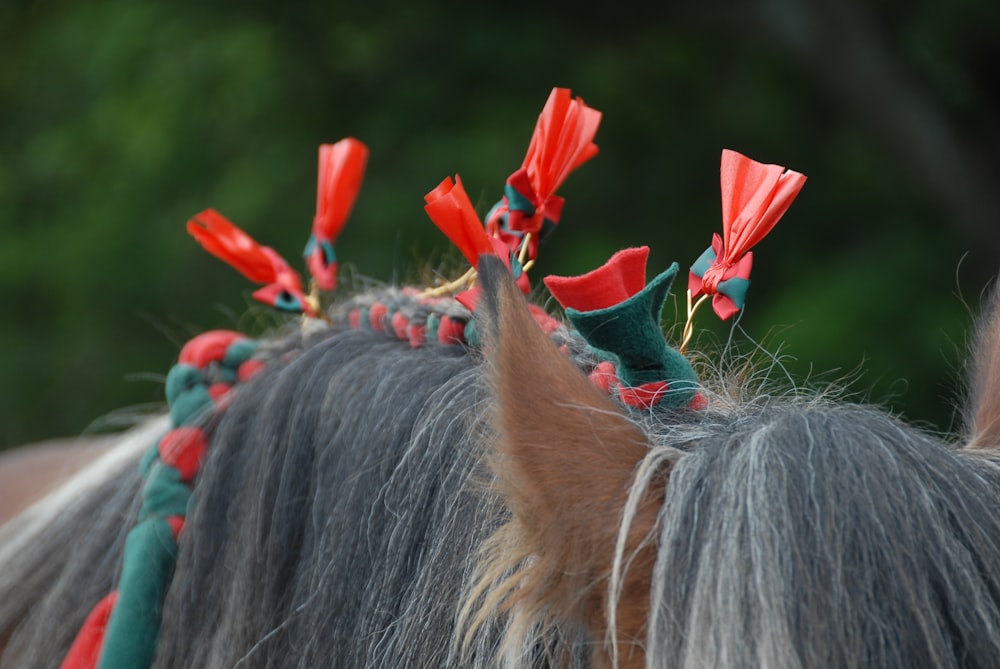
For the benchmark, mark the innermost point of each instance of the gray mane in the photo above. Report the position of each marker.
(338, 518)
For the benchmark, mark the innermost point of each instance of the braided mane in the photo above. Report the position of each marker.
(450, 476)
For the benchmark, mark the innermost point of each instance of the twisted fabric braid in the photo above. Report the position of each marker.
(122, 630)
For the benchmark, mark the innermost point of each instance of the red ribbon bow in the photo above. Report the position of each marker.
(341, 169)
(450, 209)
(754, 197)
(563, 140)
(260, 264)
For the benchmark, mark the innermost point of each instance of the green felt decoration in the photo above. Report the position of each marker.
(431, 326)
(736, 288)
(518, 202)
(149, 458)
(631, 331)
(239, 352)
(181, 378)
(130, 639)
(188, 406)
(471, 333)
(164, 493)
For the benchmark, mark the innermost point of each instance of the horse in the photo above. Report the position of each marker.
(29, 472)
(460, 477)
(366, 503)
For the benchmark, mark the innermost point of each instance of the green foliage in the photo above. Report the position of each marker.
(119, 120)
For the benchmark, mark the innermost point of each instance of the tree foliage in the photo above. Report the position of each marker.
(118, 120)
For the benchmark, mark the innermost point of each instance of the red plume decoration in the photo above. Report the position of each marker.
(450, 209)
(260, 264)
(563, 140)
(341, 170)
(754, 197)
(448, 205)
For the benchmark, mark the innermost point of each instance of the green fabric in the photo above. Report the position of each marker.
(188, 406)
(431, 327)
(149, 458)
(601, 354)
(516, 201)
(631, 331)
(329, 253)
(736, 289)
(471, 333)
(310, 246)
(164, 493)
(130, 639)
(238, 353)
(181, 378)
(187, 393)
(703, 262)
(227, 375)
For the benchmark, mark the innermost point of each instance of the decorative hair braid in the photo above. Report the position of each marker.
(122, 630)
(614, 317)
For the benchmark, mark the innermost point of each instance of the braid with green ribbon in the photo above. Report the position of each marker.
(122, 630)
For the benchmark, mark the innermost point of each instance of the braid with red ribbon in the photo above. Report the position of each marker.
(121, 632)
(614, 317)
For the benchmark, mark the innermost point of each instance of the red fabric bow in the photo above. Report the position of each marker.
(563, 139)
(450, 209)
(448, 205)
(341, 169)
(754, 198)
(260, 264)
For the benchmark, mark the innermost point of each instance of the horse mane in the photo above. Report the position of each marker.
(771, 524)
(766, 514)
(275, 567)
(368, 503)
(453, 477)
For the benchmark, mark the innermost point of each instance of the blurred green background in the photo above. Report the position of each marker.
(120, 119)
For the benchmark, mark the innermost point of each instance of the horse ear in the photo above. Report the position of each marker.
(565, 460)
(983, 418)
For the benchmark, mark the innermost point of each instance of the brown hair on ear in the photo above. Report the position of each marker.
(565, 459)
(984, 379)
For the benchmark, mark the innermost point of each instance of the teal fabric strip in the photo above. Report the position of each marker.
(150, 549)
(130, 640)
(631, 331)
